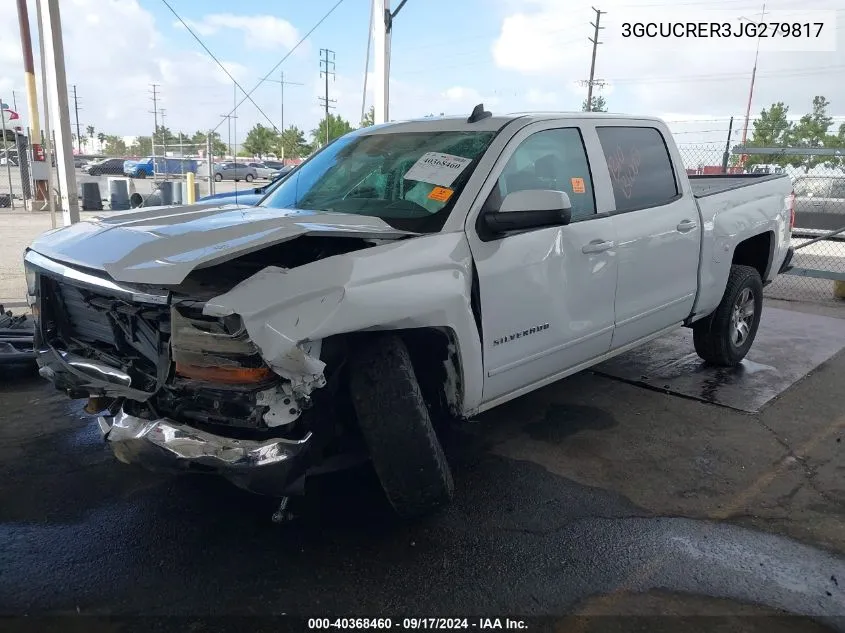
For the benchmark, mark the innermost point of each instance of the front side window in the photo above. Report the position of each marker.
(640, 167)
(556, 160)
(408, 179)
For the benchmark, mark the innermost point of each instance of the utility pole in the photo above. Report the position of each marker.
(78, 129)
(163, 135)
(744, 157)
(229, 118)
(726, 155)
(595, 40)
(382, 33)
(154, 112)
(14, 101)
(327, 70)
(39, 168)
(56, 79)
(283, 82)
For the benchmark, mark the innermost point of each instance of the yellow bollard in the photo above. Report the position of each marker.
(192, 198)
(839, 289)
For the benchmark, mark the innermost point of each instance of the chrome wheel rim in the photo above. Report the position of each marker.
(742, 317)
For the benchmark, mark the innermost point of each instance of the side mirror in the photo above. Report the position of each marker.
(530, 209)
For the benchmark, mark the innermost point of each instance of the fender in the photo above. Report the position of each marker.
(423, 282)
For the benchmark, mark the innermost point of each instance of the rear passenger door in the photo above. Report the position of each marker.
(657, 229)
(812, 199)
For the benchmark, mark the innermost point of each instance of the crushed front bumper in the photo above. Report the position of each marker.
(261, 466)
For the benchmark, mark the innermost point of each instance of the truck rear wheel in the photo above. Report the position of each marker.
(725, 337)
(395, 423)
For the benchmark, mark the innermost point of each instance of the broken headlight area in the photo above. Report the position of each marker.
(215, 350)
(220, 378)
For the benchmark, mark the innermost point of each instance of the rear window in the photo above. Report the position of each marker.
(640, 167)
(838, 188)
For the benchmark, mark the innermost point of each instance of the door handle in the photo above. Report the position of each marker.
(597, 246)
(687, 225)
(817, 204)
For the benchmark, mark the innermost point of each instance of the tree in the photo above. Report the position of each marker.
(218, 147)
(599, 104)
(772, 129)
(813, 131)
(369, 117)
(292, 144)
(260, 140)
(337, 127)
(90, 140)
(102, 138)
(114, 145)
(143, 146)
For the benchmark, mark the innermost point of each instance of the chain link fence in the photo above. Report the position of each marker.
(818, 181)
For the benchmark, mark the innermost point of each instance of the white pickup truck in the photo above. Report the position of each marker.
(407, 275)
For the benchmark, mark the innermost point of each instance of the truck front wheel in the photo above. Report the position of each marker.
(396, 426)
(725, 337)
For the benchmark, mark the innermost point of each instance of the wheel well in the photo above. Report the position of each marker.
(434, 355)
(755, 252)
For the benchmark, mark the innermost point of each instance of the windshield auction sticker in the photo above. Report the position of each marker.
(437, 169)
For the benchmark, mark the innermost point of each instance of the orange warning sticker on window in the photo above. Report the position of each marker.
(578, 185)
(440, 194)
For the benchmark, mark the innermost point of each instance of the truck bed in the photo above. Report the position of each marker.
(703, 186)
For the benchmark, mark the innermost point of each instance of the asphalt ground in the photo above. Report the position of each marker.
(590, 497)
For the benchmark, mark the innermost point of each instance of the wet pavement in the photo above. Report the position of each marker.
(570, 500)
(786, 349)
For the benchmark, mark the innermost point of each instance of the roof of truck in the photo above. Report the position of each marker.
(493, 122)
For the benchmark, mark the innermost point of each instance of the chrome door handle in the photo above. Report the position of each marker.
(597, 246)
(687, 225)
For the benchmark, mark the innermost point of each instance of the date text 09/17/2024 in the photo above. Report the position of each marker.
(416, 623)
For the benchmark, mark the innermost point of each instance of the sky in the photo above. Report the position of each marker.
(448, 55)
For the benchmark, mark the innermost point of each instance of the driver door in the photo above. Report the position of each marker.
(547, 295)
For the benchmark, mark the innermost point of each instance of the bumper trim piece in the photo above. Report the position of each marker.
(262, 466)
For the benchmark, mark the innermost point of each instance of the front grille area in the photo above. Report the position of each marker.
(133, 337)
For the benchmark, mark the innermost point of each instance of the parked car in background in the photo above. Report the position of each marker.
(275, 164)
(248, 197)
(263, 170)
(234, 171)
(150, 166)
(105, 167)
(819, 203)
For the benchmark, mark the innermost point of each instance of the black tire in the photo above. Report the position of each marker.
(248, 178)
(396, 427)
(218, 177)
(717, 339)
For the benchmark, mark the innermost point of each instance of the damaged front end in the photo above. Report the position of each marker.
(175, 390)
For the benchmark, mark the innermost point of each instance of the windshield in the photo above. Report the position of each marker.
(408, 179)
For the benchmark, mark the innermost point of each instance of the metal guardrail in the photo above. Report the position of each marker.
(814, 272)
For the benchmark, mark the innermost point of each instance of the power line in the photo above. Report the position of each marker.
(327, 70)
(217, 61)
(289, 53)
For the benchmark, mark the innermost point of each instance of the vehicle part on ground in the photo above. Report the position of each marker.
(16, 337)
(394, 420)
(725, 337)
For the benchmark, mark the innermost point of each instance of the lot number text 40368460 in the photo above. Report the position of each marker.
(412, 624)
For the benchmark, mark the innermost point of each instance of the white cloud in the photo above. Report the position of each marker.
(259, 31)
(547, 37)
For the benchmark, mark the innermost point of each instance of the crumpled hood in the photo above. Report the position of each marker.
(162, 245)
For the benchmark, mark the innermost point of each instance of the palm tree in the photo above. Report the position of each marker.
(102, 138)
(90, 129)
